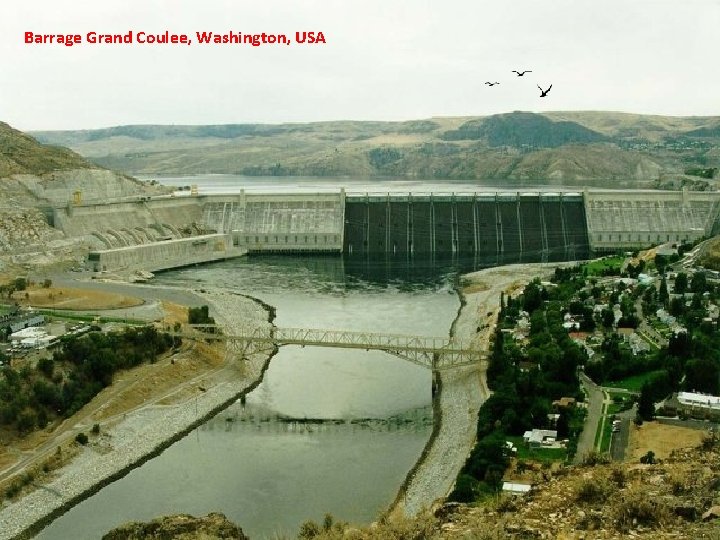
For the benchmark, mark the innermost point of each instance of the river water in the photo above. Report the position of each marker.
(352, 423)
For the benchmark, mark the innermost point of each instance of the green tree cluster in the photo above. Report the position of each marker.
(60, 386)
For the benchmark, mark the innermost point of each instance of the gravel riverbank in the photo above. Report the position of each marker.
(144, 432)
(464, 390)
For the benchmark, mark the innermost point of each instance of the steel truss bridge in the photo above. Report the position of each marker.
(434, 353)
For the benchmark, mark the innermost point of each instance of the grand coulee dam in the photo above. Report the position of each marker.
(152, 233)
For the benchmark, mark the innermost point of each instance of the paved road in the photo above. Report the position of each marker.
(646, 329)
(586, 443)
(146, 292)
(620, 439)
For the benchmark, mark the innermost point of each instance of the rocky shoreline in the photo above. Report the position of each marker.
(141, 435)
(463, 390)
(146, 432)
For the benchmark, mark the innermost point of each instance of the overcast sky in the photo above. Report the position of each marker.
(384, 60)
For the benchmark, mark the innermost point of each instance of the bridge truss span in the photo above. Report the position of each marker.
(435, 353)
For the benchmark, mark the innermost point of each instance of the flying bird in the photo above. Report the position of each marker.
(521, 73)
(544, 93)
(491, 83)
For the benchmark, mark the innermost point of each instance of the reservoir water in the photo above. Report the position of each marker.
(268, 475)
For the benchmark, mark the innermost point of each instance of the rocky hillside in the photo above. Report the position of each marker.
(34, 178)
(597, 148)
(181, 527)
(21, 154)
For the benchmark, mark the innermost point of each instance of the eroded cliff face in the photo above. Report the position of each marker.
(180, 527)
(58, 188)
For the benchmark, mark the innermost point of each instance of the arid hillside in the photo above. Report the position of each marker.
(611, 148)
(21, 154)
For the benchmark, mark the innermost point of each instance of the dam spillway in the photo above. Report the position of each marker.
(465, 225)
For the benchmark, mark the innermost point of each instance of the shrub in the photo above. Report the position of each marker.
(96, 429)
(81, 438)
(595, 458)
(466, 489)
(308, 530)
(46, 366)
(617, 475)
(637, 508)
(593, 490)
(648, 458)
(711, 440)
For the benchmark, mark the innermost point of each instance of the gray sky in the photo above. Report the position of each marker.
(384, 60)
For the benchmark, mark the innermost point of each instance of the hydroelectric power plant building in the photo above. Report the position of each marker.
(171, 231)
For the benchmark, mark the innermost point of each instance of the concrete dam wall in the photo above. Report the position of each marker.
(539, 224)
(311, 222)
(634, 219)
(466, 225)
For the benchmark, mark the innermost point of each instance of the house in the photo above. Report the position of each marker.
(665, 317)
(515, 488)
(563, 403)
(26, 322)
(540, 437)
(525, 365)
(698, 405)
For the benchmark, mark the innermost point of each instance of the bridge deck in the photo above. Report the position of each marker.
(431, 352)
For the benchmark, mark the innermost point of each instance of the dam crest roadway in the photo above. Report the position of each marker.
(435, 353)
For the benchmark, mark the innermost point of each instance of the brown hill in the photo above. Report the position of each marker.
(21, 154)
(583, 147)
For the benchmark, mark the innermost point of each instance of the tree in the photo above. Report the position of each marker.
(646, 406)
(465, 489)
(588, 319)
(532, 296)
(702, 375)
(608, 317)
(46, 367)
(681, 283)
(699, 283)
(663, 292)
(677, 307)
(81, 438)
(563, 424)
(20, 284)
(47, 283)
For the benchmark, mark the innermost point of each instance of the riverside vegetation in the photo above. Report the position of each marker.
(57, 387)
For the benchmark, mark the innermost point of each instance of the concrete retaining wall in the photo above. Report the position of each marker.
(165, 254)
